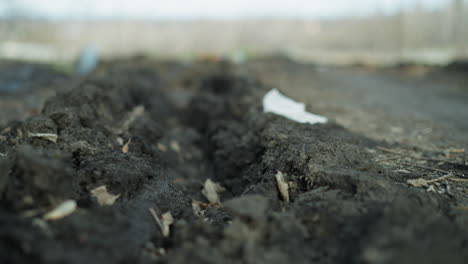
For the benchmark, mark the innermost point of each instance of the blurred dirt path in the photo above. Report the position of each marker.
(395, 105)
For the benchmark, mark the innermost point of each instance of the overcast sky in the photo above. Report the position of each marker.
(189, 9)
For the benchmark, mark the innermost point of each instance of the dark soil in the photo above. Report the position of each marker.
(205, 121)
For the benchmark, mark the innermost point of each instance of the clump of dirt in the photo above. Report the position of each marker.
(154, 132)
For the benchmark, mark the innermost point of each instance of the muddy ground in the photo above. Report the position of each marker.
(154, 132)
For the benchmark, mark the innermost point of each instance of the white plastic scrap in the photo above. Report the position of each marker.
(275, 102)
(64, 209)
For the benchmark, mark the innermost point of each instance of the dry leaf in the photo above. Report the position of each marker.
(103, 196)
(47, 136)
(164, 222)
(210, 191)
(125, 147)
(64, 209)
(283, 186)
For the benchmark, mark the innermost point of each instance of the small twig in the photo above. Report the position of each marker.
(432, 169)
(390, 151)
(458, 180)
(418, 158)
(2, 155)
(424, 167)
(448, 176)
(389, 158)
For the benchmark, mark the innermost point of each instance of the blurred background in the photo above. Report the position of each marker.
(333, 31)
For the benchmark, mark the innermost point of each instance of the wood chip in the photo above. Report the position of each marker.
(211, 190)
(103, 196)
(64, 209)
(164, 222)
(47, 136)
(283, 186)
(126, 147)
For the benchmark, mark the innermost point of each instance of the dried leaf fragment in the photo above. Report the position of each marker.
(64, 209)
(283, 186)
(103, 196)
(164, 222)
(211, 190)
(126, 147)
(47, 136)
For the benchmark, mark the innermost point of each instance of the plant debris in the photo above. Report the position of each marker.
(136, 112)
(162, 147)
(103, 196)
(175, 146)
(197, 209)
(420, 182)
(211, 190)
(283, 186)
(126, 147)
(164, 222)
(47, 136)
(64, 209)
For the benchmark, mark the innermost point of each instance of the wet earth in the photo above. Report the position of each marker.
(154, 132)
